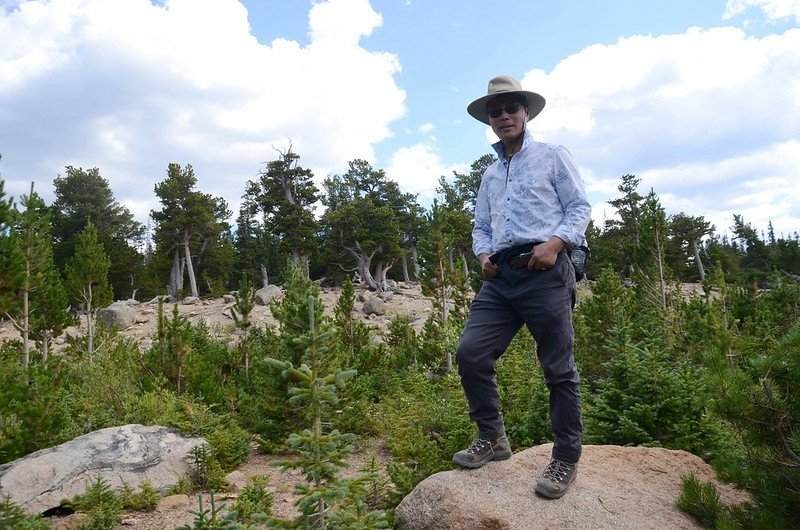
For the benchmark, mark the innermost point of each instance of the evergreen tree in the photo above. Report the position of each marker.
(83, 195)
(362, 220)
(325, 500)
(38, 302)
(687, 232)
(87, 279)
(458, 205)
(245, 302)
(285, 194)
(651, 271)
(189, 222)
(625, 232)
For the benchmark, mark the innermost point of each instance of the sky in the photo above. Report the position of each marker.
(700, 99)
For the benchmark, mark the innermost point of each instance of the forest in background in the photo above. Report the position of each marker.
(715, 375)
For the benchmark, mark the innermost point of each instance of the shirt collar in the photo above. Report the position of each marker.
(500, 148)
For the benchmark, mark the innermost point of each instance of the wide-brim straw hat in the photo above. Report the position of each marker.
(502, 85)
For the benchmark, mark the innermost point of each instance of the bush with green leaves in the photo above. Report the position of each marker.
(424, 422)
(648, 399)
(700, 500)
(144, 500)
(254, 501)
(103, 505)
(759, 396)
(14, 517)
(206, 473)
(524, 396)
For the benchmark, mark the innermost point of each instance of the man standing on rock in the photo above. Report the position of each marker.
(531, 207)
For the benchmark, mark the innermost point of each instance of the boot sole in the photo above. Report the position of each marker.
(544, 492)
(475, 465)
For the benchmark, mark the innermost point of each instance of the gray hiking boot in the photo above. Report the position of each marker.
(481, 451)
(557, 477)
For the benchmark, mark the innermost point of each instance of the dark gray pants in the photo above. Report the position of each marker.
(543, 301)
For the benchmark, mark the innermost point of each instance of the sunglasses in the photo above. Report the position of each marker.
(511, 108)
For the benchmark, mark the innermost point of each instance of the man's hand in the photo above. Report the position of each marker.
(544, 255)
(489, 269)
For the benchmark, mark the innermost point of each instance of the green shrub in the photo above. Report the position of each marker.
(103, 505)
(424, 421)
(699, 500)
(14, 517)
(649, 400)
(253, 499)
(146, 499)
(206, 473)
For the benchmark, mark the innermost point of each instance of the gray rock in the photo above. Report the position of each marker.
(130, 454)
(190, 300)
(616, 487)
(386, 296)
(118, 314)
(374, 306)
(268, 294)
(228, 298)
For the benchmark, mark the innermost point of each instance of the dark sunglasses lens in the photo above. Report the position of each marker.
(511, 108)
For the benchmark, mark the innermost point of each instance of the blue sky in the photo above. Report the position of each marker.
(699, 99)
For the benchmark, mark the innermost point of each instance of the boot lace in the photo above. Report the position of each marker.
(558, 471)
(479, 445)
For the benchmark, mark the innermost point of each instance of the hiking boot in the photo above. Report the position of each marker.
(481, 451)
(557, 477)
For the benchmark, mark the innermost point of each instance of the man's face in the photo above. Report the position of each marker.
(507, 125)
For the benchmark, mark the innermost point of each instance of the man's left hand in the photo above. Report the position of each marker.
(544, 255)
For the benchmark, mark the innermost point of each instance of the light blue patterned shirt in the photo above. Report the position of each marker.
(537, 195)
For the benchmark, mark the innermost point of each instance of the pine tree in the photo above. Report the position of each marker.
(39, 305)
(321, 453)
(87, 279)
(245, 301)
(11, 262)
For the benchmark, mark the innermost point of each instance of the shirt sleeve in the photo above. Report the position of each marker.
(571, 194)
(482, 225)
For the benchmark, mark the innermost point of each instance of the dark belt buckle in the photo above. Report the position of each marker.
(520, 261)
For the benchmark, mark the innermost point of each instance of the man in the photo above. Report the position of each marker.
(531, 200)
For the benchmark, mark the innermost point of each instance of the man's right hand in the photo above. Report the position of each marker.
(489, 269)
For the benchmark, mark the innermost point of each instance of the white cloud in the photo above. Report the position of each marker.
(426, 128)
(417, 170)
(695, 115)
(774, 10)
(129, 86)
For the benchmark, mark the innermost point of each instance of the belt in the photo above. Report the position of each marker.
(505, 255)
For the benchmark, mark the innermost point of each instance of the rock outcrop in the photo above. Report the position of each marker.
(119, 314)
(616, 487)
(266, 295)
(130, 454)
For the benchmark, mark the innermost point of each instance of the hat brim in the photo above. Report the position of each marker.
(535, 103)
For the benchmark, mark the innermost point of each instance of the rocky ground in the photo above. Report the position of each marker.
(406, 300)
(174, 511)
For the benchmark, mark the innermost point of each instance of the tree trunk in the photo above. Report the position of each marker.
(699, 261)
(379, 277)
(404, 264)
(45, 346)
(26, 345)
(464, 265)
(264, 276)
(175, 276)
(89, 330)
(190, 268)
(415, 261)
